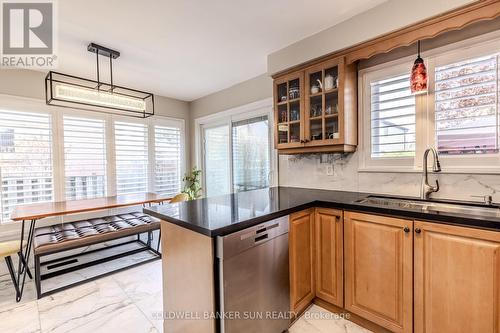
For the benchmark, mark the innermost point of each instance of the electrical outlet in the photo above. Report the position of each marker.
(329, 170)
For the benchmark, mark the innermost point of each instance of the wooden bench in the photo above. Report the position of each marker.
(63, 237)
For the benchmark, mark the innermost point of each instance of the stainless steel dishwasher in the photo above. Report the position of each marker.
(254, 281)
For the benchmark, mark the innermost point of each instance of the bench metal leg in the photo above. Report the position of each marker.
(38, 281)
(159, 240)
(39, 277)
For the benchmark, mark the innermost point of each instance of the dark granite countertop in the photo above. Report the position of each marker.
(222, 215)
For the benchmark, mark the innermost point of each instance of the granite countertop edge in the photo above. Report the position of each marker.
(438, 217)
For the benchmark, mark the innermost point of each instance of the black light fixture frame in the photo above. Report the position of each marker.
(57, 77)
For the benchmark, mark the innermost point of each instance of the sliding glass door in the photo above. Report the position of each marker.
(236, 155)
(250, 154)
(217, 164)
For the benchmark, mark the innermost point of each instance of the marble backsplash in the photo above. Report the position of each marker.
(310, 171)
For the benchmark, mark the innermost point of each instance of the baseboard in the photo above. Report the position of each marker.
(352, 317)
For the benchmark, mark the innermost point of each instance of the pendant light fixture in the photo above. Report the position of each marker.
(418, 80)
(95, 95)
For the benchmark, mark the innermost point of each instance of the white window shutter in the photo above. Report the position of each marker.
(26, 170)
(131, 147)
(392, 118)
(168, 155)
(84, 158)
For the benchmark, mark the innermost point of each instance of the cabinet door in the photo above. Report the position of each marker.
(324, 103)
(301, 259)
(329, 256)
(289, 111)
(378, 269)
(457, 279)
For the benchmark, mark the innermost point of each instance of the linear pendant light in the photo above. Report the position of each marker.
(94, 95)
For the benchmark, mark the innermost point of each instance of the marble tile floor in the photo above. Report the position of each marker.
(127, 301)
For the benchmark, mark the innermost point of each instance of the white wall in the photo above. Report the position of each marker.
(253, 90)
(387, 17)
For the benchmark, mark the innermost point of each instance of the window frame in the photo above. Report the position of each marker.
(481, 163)
(259, 108)
(56, 114)
(425, 118)
(366, 77)
(229, 165)
(60, 138)
(124, 119)
(165, 122)
(8, 106)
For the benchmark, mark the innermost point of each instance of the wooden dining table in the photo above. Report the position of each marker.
(33, 212)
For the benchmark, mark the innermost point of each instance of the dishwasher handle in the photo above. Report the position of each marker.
(261, 238)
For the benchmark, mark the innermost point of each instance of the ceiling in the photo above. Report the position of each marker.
(187, 49)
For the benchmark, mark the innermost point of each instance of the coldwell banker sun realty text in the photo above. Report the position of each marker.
(28, 34)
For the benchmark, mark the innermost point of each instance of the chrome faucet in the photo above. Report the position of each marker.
(426, 189)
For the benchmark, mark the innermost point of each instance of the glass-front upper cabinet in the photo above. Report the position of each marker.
(316, 109)
(289, 111)
(324, 103)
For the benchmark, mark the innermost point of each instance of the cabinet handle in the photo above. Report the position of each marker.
(417, 230)
(406, 229)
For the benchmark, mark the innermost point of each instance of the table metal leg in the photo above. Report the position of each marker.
(25, 253)
(25, 264)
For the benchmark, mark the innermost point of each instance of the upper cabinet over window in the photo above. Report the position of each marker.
(315, 109)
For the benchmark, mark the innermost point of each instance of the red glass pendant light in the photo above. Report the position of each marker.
(418, 80)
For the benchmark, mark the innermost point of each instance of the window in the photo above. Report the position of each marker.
(459, 115)
(251, 154)
(392, 118)
(26, 170)
(131, 147)
(84, 158)
(466, 106)
(217, 159)
(167, 160)
(49, 154)
(236, 149)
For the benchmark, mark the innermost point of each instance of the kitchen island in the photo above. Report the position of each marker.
(190, 231)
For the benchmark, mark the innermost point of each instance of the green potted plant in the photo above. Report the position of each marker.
(192, 184)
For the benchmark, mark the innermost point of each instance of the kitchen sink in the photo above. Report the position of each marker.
(433, 206)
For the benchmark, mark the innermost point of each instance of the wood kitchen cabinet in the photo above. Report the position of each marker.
(379, 269)
(301, 241)
(316, 109)
(457, 279)
(329, 256)
(289, 111)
